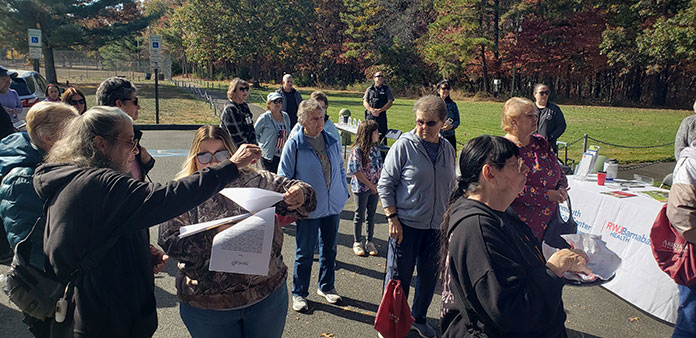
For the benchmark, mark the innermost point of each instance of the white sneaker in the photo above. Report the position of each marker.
(331, 296)
(370, 248)
(358, 249)
(299, 303)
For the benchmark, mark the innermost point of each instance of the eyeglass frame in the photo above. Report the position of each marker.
(135, 101)
(76, 102)
(133, 141)
(544, 92)
(198, 155)
(520, 164)
(243, 89)
(427, 123)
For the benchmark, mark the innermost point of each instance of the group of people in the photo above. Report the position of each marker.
(479, 232)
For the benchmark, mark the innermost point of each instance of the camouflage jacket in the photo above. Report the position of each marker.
(220, 290)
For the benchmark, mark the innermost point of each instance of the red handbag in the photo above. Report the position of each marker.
(673, 253)
(284, 220)
(394, 318)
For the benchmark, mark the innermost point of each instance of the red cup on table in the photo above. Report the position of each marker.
(601, 177)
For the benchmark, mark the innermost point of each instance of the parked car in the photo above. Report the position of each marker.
(31, 87)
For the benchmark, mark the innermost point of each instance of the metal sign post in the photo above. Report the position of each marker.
(155, 60)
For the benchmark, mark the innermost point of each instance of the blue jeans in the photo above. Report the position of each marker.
(419, 248)
(306, 237)
(686, 314)
(364, 201)
(263, 319)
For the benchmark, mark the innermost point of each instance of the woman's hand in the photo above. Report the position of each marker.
(558, 196)
(395, 230)
(246, 154)
(294, 197)
(373, 189)
(159, 259)
(573, 260)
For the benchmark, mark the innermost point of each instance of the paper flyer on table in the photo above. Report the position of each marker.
(189, 230)
(246, 246)
(252, 199)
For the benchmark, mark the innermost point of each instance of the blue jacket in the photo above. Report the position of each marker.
(452, 113)
(267, 133)
(300, 161)
(419, 190)
(20, 206)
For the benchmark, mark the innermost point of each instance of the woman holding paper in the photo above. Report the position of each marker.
(219, 304)
(496, 282)
(546, 182)
(314, 156)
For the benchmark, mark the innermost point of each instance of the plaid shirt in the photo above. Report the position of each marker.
(239, 122)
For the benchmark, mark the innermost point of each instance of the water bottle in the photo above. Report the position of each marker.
(611, 167)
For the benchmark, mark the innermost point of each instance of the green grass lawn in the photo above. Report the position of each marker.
(617, 125)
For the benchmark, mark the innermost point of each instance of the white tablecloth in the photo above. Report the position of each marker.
(624, 223)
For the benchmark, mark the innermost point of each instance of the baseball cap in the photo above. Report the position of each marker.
(273, 96)
(6, 72)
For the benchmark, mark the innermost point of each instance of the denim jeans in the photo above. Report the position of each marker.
(686, 314)
(419, 248)
(306, 237)
(263, 319)
(364, 200)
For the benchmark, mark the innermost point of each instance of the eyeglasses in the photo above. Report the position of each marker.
(428, 123)
(445, 88)
(243, 89)
(76, 102)
(135, 101)
(278, 101)
(205, 158)
(133, 144)
(546, 92)
(520, 164)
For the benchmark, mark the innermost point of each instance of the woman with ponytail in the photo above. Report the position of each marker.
(496, 282)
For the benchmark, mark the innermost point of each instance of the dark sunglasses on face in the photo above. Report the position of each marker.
(76, 102)
(205, 158)
(278, 101)
(135, 101)
(445, 87)
(544, 93)
(243, 89)
(429, 123)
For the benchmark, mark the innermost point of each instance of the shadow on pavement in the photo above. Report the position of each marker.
(379, 275)
(164, 298)
(348, 309)
(578, 334)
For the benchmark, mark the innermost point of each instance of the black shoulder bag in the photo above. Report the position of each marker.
(38, 292)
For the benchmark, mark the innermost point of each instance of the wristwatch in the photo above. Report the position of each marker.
(392, 215)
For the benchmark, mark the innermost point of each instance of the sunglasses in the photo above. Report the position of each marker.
(243, 89)
(135, 101)
(205, 158)
(520, 164)
(278, 101)
(429, 123)
(544, 93)
(446, 87)
(76, 102)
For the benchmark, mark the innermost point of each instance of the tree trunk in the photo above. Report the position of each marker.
(486, 84)
(49, 64)
(496, 32)
(660, 87)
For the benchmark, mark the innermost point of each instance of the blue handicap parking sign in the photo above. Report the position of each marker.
(155, 45)
(34, 39)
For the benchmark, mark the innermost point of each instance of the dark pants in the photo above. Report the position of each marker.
(39, 328)
(381, 123)
(271, 165)
(364, 200)
(419, 248)
(452, 140)
(686, 314)
(306, 238)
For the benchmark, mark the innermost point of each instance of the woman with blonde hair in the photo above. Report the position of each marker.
(546, 182)
(220, 304)
(236, 118)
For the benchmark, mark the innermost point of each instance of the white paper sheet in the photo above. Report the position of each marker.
(601, 260)
(246, 246)
(252, 199)
(193, 229)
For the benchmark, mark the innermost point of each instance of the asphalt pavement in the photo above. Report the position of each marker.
(592, 311)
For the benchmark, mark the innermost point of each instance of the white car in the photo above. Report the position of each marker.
(31, 87)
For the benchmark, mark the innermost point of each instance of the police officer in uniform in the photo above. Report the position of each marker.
(377, 99)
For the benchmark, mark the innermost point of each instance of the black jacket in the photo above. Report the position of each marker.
(496, 283)
(87, 206)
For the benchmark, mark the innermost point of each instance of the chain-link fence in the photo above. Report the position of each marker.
(93, 66)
